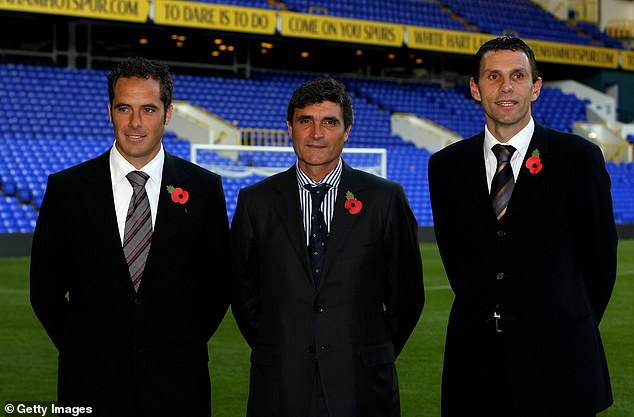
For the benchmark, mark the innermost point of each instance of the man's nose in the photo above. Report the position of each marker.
(318, 130)
(507, 85)
(135, 119)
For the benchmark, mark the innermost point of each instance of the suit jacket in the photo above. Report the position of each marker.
(354, 325)
(549, 265)
(111, 339)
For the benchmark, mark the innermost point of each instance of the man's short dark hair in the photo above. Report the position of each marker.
(143, 68)
(505, 43)
(317, 91)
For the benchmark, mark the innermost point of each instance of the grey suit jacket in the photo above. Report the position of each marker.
(354, 325)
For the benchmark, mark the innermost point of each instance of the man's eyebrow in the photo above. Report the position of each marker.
(117, 105)
(518, 69)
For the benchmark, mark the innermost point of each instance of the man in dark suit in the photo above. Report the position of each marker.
(131, 281)
(528, 241)
(327, 285)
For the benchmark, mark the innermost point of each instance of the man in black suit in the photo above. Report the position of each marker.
(324, 327)
(130, 280)
(528, 241)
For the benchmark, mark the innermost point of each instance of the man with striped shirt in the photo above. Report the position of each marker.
(327, 274)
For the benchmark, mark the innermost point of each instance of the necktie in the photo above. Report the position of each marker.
(318, 230)
(138, 228)
(503, 181)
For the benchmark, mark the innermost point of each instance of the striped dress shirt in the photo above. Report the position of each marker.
(328, 206)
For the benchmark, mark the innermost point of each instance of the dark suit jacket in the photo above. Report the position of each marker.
(550, 265)
(112, 340)
(357, 321)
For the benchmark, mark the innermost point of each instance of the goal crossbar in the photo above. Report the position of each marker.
(231, 151)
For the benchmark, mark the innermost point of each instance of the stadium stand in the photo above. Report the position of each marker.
(407, 12)
(448, 107)
(599, 37)
(622, 176)
(521, 17)
(258, 4)
(55, 118)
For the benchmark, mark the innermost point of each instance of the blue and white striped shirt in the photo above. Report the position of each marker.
(328, 206)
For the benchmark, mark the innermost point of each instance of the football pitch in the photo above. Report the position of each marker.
(28, 360)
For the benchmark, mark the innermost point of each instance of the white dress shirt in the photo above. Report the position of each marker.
(122, 189)
(520, 142)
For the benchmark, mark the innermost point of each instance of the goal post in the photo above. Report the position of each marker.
(241, 161)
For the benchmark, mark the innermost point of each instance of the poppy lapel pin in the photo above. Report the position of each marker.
(353, 205)
(534, 163)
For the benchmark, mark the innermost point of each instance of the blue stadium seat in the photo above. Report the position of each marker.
(55, 140)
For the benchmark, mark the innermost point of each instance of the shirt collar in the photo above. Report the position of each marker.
(120, 167)
(333, 178)
(520, 141)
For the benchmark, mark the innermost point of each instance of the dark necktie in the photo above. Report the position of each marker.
(318, 230)
(503, 181)
(138, 228)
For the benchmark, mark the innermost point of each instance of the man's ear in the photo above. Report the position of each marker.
(168, 114)
(475, 90)
(346, 134)
(537, 88)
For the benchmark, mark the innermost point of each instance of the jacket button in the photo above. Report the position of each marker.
(501, 233)
(318, 309)
(311, 349)
(138, 300)
(324, 347)
(500, 276)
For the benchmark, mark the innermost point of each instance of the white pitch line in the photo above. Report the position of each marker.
(13, 291)
(437, 288)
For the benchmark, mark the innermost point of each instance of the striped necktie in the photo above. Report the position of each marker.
(503, 180)
(138, 228)
(318, 230)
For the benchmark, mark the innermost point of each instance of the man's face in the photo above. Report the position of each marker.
(138, 117)
(506, 91)
(318, 135)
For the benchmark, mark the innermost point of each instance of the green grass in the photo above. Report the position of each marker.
(28, 360)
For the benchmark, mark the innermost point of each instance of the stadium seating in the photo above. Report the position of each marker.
(405, 12)
(559, 110)
(448, 107)
(55, 118)
(622, 176)
(599, 37)
(521, 17)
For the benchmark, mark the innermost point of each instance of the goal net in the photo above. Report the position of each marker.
(257, 162)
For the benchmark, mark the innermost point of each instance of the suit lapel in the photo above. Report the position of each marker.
(342, 221)
(97, 196)
(526, 183)
(286, 202)
(474, 170)
(169, 216)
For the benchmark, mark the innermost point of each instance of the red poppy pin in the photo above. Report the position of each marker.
(534, 163)
(178, 194)
(352, 204)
